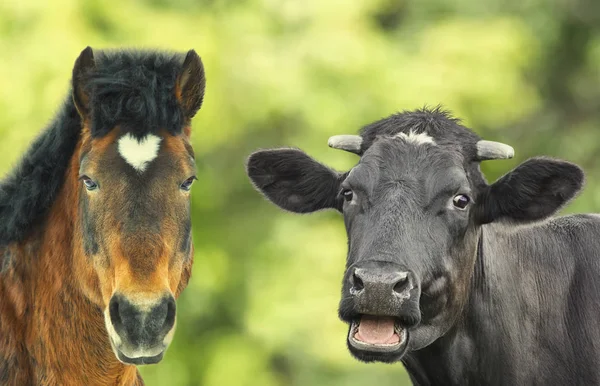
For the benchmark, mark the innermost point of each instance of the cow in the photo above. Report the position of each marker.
(464, 282)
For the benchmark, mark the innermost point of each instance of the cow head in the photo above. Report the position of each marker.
(413, 207)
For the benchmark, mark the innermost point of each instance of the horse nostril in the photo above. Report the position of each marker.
(170, 318)
(161, 318)
(113, 311)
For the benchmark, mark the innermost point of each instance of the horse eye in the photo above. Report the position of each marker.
(461, 201)
(89, 183)
(187, 184)
(348, 194)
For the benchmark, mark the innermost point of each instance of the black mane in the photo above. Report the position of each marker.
(133, 89)
(30, 189)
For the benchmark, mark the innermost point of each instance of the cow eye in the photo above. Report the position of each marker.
(461, 201)
(89, 183)
(347, 194)
(187, 184)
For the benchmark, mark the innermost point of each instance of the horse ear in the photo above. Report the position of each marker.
(83, 65)
(190, 84)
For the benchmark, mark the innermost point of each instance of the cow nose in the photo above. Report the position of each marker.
(379, 281)
(142, 323)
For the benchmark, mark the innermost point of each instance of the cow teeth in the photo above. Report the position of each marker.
(397, 328)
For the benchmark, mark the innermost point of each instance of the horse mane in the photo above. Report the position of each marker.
(134, 90)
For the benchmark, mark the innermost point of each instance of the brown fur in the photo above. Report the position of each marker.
(52, 329)
(73, 274)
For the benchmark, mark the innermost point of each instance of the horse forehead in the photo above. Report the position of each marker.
(139, 152)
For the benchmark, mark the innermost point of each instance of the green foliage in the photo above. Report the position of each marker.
(261, 306)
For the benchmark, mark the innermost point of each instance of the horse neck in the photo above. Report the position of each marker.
(67, 337)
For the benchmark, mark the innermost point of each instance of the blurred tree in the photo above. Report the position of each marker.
(261, 306)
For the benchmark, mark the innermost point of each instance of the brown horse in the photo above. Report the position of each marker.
(95, 228)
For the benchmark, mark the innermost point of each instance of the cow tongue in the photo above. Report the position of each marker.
(377, 330)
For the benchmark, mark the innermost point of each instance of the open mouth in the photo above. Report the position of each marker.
(377, 334)
(139, 360)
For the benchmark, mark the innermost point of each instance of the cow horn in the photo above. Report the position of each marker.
(487, 150)
(351, 143)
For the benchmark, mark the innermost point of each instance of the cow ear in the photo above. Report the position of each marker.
(534, 190)
(294, 181)
(190, 85)
(83, 66)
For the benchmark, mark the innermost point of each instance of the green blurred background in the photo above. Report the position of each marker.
(261, 306)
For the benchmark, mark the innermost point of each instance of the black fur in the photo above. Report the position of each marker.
(534, 190)
(437, 123)
(132, 89)
(265, 165)
(28, 192)
(294, 181)
(136, 90)
(500, 303)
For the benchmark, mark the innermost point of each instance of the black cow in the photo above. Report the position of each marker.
(464, 282)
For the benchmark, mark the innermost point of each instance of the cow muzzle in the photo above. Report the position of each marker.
(381, 304)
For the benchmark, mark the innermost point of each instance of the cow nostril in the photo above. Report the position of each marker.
(357, 283)
(401, 285)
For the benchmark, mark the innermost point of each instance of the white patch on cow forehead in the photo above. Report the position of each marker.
(140, 153)
(416, 138)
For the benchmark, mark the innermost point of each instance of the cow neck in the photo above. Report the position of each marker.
(450, 358)
(478, 281)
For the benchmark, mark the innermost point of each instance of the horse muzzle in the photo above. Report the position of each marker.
(140, 331)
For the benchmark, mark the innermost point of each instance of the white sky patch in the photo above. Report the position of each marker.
(417, 139)
(139, 154)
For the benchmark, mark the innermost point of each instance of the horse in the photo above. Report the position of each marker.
(95, 223)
